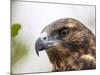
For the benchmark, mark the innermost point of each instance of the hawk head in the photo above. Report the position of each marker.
(66, 41)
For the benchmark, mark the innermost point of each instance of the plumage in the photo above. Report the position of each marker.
(69, 44)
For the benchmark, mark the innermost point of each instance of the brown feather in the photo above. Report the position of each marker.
(80, 52)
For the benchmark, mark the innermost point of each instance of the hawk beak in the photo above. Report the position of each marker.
(39, 46)
(42, 43)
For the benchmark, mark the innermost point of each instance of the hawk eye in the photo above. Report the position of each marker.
(63, 32)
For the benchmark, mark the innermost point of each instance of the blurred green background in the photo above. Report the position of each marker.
(19, 49)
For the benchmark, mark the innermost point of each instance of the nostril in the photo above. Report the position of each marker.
(44, 38)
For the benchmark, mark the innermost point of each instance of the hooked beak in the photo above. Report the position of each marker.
(42, 43)
(39, 46)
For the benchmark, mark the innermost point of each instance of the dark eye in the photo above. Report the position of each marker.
(63, 32)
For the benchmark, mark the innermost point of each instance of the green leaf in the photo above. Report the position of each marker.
(19, 50)
(15, 29)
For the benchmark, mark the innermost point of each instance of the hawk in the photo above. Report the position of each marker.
(69, 44)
